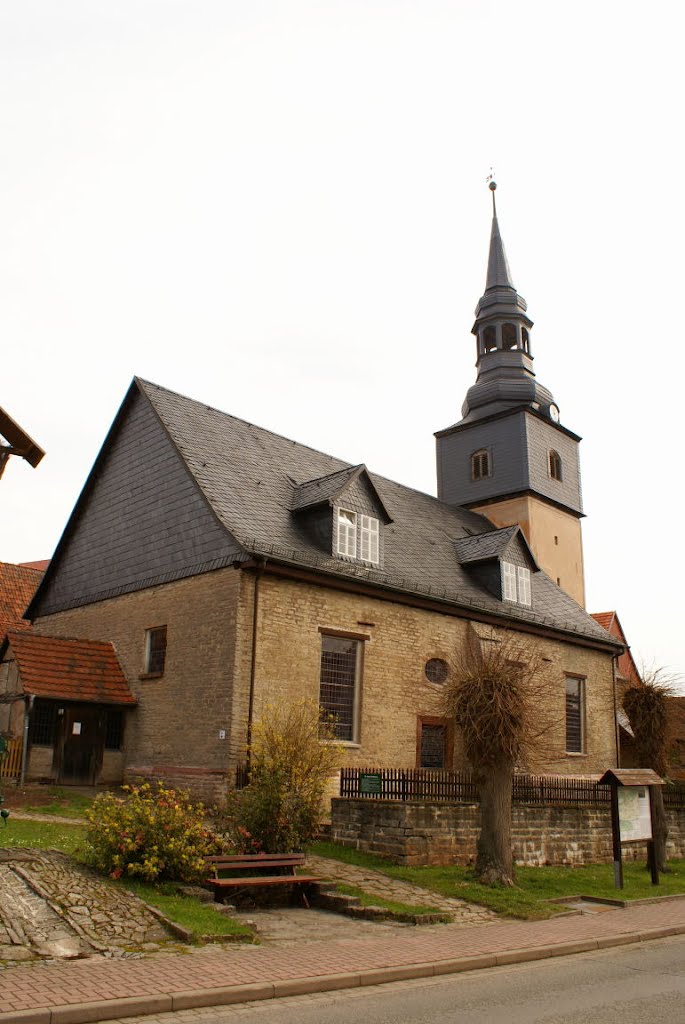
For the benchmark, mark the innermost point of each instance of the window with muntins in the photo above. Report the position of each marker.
(480, 464)
(516, 583)
(338, 684)
(575, 699)
(347, 533)
(155, 651)
(368, 537)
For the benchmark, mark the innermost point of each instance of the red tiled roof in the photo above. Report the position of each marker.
(604, 619)
(82, 670)
(18, 584)
(41, 564)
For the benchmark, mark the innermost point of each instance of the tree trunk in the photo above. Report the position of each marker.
(660, 829)
(494, 861)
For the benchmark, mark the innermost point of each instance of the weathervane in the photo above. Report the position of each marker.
(492, 185)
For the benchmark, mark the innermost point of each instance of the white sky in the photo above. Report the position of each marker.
(280, 209)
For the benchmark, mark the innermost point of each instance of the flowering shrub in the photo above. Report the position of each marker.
(293, 758)
(152, 832)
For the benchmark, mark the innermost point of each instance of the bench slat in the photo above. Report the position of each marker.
(231, 883)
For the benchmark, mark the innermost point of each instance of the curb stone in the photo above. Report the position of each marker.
(111, 1009)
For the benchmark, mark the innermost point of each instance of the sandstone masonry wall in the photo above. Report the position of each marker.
(419, 834)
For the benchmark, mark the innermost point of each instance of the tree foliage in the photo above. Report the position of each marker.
(293, 758)
(493, 696)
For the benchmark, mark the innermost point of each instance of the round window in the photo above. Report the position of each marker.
(436, 670)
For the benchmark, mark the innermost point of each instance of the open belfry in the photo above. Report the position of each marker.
(509, 457)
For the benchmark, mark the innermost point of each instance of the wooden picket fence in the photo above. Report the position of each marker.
(10, 761)
(459, 787)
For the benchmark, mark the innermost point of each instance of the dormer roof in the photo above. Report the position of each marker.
(331, 487)
(486, 547)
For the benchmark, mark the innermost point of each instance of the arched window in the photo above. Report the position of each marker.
(509, 336)
(555, 465)
(490, 338)
(480, 464)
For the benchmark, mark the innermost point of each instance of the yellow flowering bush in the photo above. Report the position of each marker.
(152, 833)
(293, 758)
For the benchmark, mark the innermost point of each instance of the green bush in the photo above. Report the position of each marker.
(293, 758)
(152, 833)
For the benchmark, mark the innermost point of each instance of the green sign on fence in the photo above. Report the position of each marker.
(370, 782)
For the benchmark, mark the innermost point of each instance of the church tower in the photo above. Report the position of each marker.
(509, 457)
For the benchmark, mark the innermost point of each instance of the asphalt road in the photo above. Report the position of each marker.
(637, 984)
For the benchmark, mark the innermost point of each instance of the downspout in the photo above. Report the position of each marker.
(253, 662)
(28, 708)
(617, 728)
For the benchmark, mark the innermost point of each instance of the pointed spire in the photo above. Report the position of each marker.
(499, 274)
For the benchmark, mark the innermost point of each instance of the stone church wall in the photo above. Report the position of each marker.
(420, 834)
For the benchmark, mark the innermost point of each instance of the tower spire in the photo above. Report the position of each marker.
(499, 274)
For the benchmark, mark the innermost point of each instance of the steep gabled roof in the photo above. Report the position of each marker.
(74, 670)
(18, 584)
(244, 477)
(627, 668)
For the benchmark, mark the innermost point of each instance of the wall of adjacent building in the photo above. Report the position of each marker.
(174, 732)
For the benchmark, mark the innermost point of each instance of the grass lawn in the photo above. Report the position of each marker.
(534, 885)
(197, 917)
(63, 803)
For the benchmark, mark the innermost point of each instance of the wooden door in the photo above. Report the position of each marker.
(81, 745)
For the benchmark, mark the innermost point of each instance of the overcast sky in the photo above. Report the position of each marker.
(280, 208)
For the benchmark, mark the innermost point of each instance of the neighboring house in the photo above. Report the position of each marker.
(232, 569)
(18, 584)
(627, 674)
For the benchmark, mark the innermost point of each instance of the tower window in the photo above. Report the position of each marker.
(480, 464)
(525, 341)
(490, 338)
(555, 465)
(509, 336)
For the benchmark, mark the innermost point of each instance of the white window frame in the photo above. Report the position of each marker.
(369, 539)
(523, 583)
(508, 581)
(346, 540)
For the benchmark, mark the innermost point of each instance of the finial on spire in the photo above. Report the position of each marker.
(492, 185)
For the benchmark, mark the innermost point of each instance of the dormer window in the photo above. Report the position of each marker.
(368, 539)
(555, 465)
(480, 464)
(516, 583)
(358, 536)
(347, 533)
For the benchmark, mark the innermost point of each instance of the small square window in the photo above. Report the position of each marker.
(155, 651)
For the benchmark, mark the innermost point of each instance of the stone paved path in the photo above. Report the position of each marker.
(378, 884)
(52, 907)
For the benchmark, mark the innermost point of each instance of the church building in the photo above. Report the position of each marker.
(211, 569)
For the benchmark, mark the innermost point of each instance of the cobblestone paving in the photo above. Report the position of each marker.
(378, 884)
(51, 907)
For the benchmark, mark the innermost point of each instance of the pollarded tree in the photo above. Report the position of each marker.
(645, 704)
(497, 697)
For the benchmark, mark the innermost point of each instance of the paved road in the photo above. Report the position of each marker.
(640, 984)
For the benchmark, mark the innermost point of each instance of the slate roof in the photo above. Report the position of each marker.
(324, 488)
(18, 584)
(250, 478)
(485, 546)
(76, 670)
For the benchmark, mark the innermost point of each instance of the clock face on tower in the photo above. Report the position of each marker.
(554, 412)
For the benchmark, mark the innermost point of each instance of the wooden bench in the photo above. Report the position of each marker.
(280, 867)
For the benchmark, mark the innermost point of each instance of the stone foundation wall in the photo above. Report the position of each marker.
(419, 834)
